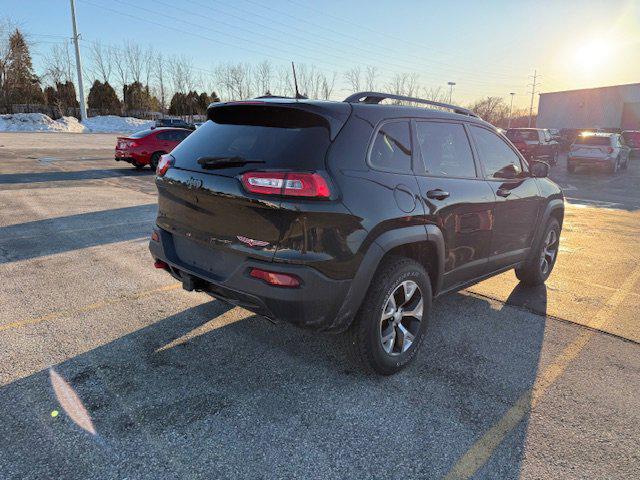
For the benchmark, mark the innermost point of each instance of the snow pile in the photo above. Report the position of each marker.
(38, 122)
(115, 124)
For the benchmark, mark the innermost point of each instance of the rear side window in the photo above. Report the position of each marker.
(593, 140)
(498, 159)
(522, 134)
(270, 137)
(445, 149)
(391, 148)
(167, 135)
(141, 134)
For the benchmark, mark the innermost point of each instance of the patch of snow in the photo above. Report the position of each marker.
(38, 122)
(115, 124)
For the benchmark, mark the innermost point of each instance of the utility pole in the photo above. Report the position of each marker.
(83, 108)
(451, 84)
(510, 110)
(533, 93)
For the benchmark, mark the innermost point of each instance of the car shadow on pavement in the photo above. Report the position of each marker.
(61, 234)
(255, 400)
(61, 176)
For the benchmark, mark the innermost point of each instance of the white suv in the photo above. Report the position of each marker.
(606, 150)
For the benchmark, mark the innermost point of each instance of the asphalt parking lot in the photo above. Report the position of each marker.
(108, 369)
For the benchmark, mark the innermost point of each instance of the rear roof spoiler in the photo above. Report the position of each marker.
(377, 97)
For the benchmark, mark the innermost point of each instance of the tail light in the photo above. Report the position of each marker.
(164, 164)
(609, 149)
(276, 279)
(286, 183)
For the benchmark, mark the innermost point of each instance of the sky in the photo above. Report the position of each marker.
(485, 47)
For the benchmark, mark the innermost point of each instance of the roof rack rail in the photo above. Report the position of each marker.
(377, 97)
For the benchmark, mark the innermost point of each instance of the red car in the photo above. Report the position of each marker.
(145, 147)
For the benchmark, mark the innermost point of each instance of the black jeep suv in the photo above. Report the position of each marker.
(351, 216)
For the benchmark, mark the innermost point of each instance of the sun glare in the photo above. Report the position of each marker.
(592, 54)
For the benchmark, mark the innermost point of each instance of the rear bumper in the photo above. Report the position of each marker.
(590, 161)
(130, 157)
(315, 304)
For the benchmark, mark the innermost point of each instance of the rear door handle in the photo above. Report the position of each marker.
(502, 192)
(437, 194)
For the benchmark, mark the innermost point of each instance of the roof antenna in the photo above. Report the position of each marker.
(295, 82)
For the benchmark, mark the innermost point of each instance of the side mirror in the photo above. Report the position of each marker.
(508, 172)
(539, 169)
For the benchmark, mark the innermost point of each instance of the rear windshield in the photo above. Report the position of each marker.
(140, 134)
(276, 137)
(593, 140)
(522, 135)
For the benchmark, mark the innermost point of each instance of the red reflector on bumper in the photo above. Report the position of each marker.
(160, 264)
(154, 236)
(276, 279)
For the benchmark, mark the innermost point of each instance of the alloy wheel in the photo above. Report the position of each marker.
(401, 317)
(549, 251)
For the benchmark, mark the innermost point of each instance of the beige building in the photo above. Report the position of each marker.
(605, 107)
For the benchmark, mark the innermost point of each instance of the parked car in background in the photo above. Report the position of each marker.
(173, 122)
(599, 150)
(535, 143)
(145, 147)
(632, 139)
(351, 216)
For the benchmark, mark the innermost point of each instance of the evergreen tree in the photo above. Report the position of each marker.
(103, 98)
(136, 97)
(21, 84)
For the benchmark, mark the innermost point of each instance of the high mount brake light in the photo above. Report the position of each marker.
(288, 184)
(164, 164)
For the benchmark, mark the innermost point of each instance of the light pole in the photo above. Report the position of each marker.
(83, 109)
(451, 84)
(510, 110)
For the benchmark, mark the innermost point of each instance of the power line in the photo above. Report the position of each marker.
(376, 48)
(382, 33)
(533, 92)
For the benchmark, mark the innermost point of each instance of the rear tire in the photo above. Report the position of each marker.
(390, 325)
(540, 265)
(153, 162)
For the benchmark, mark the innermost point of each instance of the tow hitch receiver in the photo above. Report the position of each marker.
(189, 282)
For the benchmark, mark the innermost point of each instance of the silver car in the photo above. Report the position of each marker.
(600, 150)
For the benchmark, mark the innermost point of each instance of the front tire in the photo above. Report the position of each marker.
(538, 268)
(390, 325)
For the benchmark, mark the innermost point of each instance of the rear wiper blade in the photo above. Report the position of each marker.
(223, 162)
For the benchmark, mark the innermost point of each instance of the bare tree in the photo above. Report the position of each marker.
(284, 81)
(101, 61)
(59, 64)
(121, 69)
(491, 109)
(135, 60)
(370, 75)
(160, 72)
(147, 65)
(328, 84)
(353, 78)
(234, 80)
(181, 73)
(262, 77)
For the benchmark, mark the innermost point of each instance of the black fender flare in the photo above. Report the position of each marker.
(557, 204)
(372, 258)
